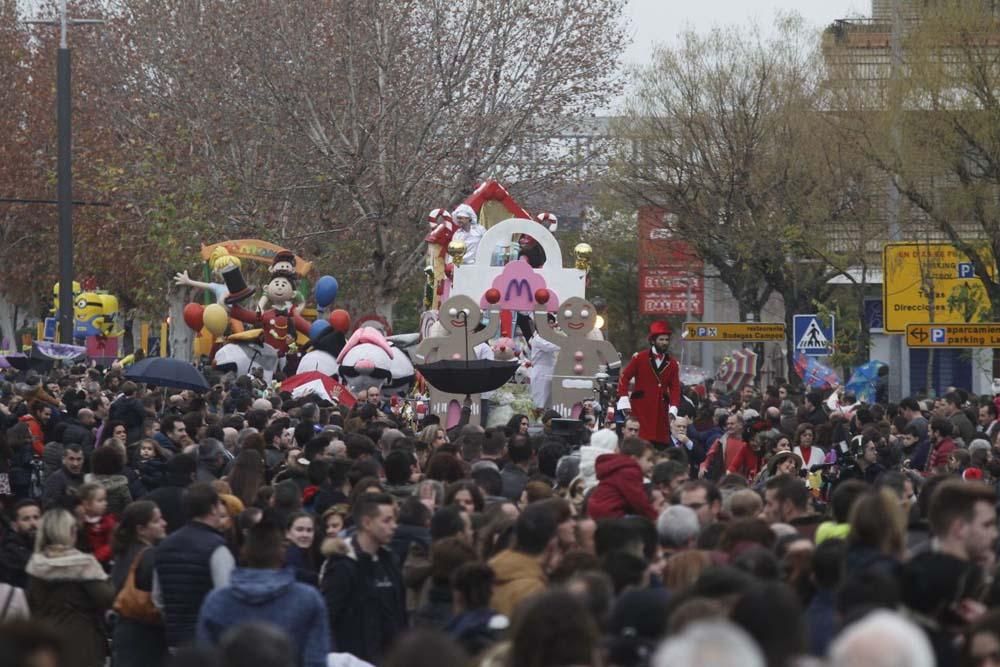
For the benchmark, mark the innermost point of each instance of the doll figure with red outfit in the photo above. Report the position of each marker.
(277, 314)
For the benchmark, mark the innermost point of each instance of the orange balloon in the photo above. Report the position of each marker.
(340, 320)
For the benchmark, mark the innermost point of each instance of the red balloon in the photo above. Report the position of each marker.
(541, 295)
(194, 316)
(492, 295)
(340, 320)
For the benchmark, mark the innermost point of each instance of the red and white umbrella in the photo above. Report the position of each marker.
(739, 370)
(321, 386)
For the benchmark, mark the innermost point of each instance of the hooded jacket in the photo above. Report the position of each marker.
(517, 576)
(274, 597)
(69, 591)
(117, 488)
(365, 597)
(620, 489)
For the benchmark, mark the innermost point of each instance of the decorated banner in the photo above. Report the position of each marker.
(671, 275)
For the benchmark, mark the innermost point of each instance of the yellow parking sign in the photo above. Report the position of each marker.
(929, 282)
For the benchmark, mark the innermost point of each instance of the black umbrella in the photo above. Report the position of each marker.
(167, 372)
(468, 377)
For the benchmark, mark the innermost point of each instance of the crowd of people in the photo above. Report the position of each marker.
(241, 526)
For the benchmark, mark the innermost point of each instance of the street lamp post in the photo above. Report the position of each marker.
(64, 169)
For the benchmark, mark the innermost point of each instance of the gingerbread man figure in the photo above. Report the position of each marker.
(457, 314)
(580, 354)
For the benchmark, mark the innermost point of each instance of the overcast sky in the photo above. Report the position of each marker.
(659, 21)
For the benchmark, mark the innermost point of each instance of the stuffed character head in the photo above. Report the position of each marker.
(280, 289)
(576, 316)
(458, 312)
(283, 262)
(505, 349)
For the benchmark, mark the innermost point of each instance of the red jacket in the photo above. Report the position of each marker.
(938, 458)
(732, 451)
(653, 395)
(37, 436)
(99, 537)
(620, 489)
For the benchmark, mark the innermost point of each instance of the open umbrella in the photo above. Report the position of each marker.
(324, 387)
(167, 372)
(739, 370)
(467, 376)
(41, 349)
(864, 380)
(472, 376)
(23, 363)
(814, 374)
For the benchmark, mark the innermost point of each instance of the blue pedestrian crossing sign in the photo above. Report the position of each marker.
(811, 336)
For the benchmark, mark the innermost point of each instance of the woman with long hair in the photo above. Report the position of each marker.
(877, 538)
(138, 635)
(434, 435)
(517, 425)
(247, 476)
(68, 589)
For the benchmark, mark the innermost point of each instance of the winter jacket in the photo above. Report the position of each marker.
(152, 473)
(728, 449)
(365, 597)
(477, 630)
(404, 537)
(436, 612)
(60, 484)
(117, 487)
(620, 489)
(588, 464)
(273, 597)
(514, 480)
(73, 432)
(169, 499)
(69, 591)
(517, 576)
(99, 537)
(37, 435)
(130, 412)
(15, 551)
(182, 564)
(938, 457)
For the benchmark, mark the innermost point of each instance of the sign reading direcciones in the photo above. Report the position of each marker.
(917, 275)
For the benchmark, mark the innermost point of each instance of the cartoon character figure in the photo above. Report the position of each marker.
(366, 360)
(279, 322)
(580, 354)
(456, 342)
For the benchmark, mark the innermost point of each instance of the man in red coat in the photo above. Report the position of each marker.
(657, 385)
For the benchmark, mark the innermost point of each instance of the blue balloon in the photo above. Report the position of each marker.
(317, 329)
(326, 291)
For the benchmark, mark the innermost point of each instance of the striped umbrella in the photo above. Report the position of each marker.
(738, 370)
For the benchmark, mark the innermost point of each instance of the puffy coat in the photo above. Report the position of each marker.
(620, 489)
(517, 576)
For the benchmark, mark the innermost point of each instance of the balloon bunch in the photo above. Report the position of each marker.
(338, 320)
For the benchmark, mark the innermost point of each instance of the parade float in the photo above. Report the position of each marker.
(506, 328)
(516, 275)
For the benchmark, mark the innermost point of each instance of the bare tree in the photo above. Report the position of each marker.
(331, 126)
(730, 138)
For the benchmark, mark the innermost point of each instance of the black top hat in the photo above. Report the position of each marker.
(236, 284)
(283, 256)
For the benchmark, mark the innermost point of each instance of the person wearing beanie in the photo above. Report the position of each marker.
(657, 385)
(605, 441)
